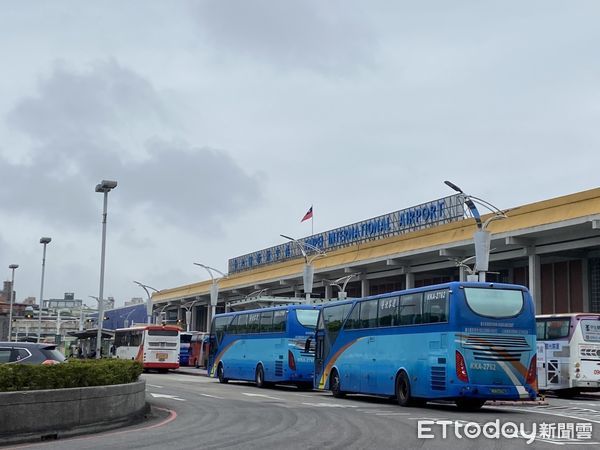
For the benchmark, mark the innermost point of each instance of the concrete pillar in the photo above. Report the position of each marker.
(327, 291)
(208, 318)
(364, 287)
(194, 324)
(410, 280)
(462, 273)
(585, 281)
(535, 281)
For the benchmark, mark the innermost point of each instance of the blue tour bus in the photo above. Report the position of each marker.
(465, 342)
(267, 346)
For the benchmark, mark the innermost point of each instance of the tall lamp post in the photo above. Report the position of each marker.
(214, 289)
(104, 187)
(145, 287)
(309, 270)
(45, 241)
(481, 237)
(12, 300)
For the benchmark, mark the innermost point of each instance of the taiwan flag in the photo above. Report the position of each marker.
(308, 215)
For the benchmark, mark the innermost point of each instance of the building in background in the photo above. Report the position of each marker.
(551, 246)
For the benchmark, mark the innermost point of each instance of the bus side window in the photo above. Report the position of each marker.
(234, 328)
(435, 307)
(410, 309)
(388, 311)
(279, 320)
(242, 327)
(353, 322)
(266, 322)
(368, 314)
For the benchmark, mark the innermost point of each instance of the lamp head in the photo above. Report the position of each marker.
(13, 266)
(106, 186)
(45, 240)
(453, 186)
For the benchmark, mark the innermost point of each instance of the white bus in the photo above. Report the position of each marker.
(155, 346)
(568, 353)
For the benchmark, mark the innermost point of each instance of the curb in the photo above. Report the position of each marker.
(199, 373)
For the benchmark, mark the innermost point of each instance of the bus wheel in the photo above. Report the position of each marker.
(259, 377)
(469, 404)
(403, 390)
(221, 374)
(335, 384)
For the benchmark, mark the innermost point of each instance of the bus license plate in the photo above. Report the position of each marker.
(162, 356)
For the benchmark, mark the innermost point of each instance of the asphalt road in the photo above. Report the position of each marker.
(195, 412)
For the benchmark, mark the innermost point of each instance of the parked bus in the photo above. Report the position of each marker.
(185, 347)
(199, 350)
(465, 342)
(267, 346)
(568, 353)
(155, 346)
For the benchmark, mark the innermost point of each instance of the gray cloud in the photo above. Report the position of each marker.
(322, 36)
(105, 123)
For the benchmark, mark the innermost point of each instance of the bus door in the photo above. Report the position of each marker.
(542, 369)
(319, 352)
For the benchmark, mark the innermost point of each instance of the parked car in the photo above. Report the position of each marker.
(29, 353)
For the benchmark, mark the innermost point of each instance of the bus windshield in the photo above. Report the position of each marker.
(495, 303)
(308, 317)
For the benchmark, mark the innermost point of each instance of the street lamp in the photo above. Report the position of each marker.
(482, 237)
(45, 241)
(104, 187)
(145, 287)
(188, 314)
(344, 280)
(12, 299)
(214, 288)
(309, 270)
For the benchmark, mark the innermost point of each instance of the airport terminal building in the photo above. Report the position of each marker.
(552, 247)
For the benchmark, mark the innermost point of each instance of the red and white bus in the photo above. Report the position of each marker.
(155, 346)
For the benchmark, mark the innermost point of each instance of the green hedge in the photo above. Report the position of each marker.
(72, 374)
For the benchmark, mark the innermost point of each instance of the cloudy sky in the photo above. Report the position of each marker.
(223, 121)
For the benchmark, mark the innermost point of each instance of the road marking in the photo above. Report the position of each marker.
(551, 413)
(570, 442)
(211, 396)
(329, 405)
(172, 397)
(154, 386)
(261, 396)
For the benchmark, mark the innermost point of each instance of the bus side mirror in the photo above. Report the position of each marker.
(307, 345)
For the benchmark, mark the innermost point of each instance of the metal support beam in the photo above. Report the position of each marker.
(453, 253)
(520, 241)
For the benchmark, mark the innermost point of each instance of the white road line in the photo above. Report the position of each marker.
(154, 386)
(261, 396)
(211, 396)
(550, 413)
(329, 405)
(172, 397)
